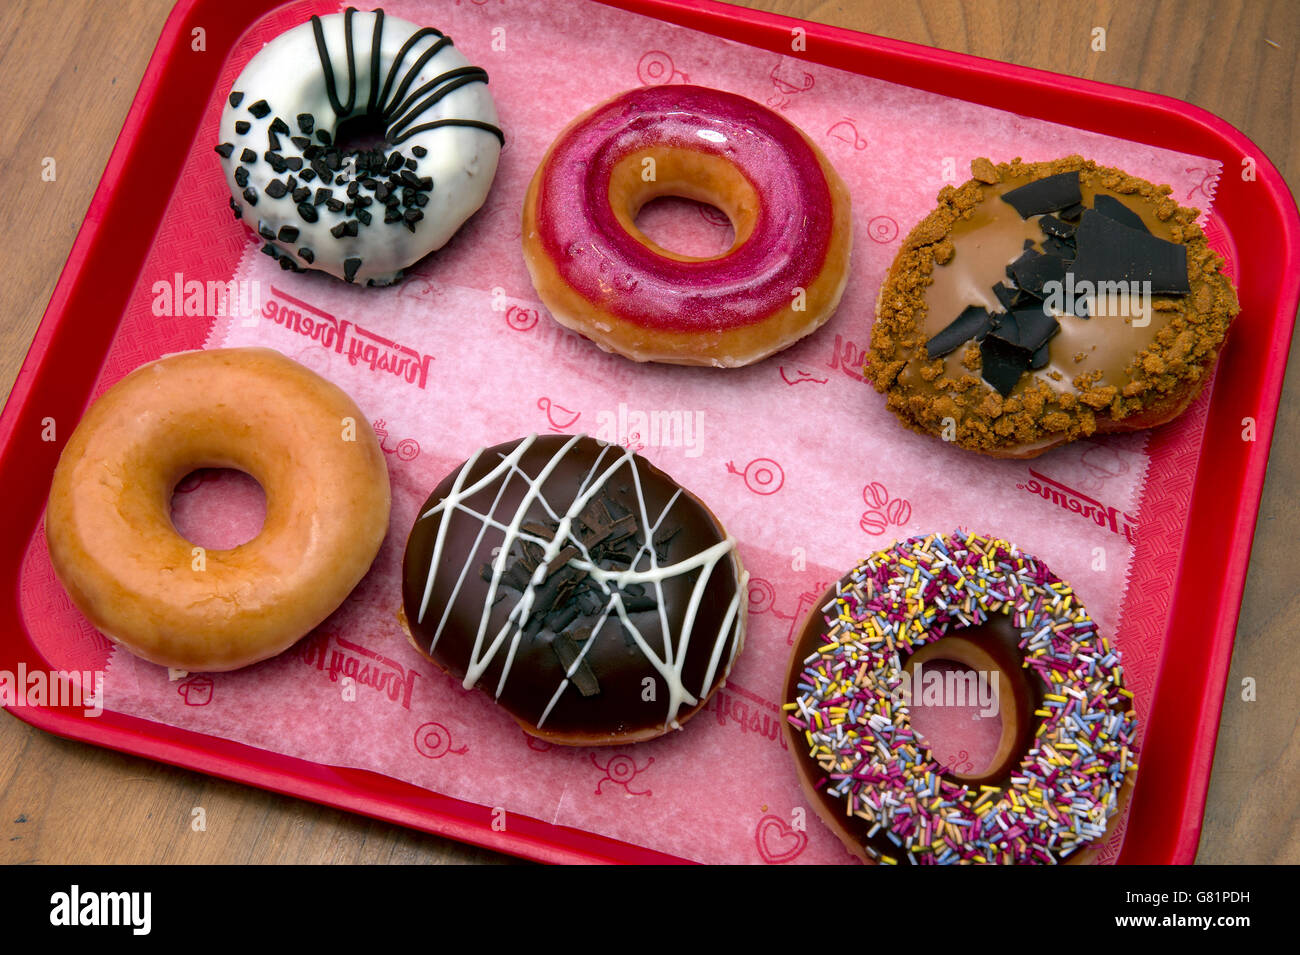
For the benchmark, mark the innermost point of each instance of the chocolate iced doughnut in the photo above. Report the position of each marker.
(972, 345)
(1065, 759)
(598, 601)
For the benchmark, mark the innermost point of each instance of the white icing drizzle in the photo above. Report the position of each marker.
(671, 665)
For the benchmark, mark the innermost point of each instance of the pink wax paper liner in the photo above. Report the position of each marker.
(796, 455)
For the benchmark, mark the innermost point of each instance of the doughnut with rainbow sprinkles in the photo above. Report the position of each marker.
(1066, 760)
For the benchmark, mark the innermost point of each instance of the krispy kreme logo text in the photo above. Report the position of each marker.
(748, 712)
(344, 337)
(1118, 522)
(364, 666)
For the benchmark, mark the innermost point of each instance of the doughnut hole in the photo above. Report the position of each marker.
(972, 702)
(361, 133)
(675, 201)
(218, 508)
(687, 227)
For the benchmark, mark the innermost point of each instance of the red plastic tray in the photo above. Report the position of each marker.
(1259, 221)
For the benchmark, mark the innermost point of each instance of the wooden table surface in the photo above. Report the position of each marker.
(72, 67)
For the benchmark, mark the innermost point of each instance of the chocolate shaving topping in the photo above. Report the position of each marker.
(306, 123)
(225, 149)
(1053, 226)
(308, 212)
(1110, 244)
(350, 267)
(1002, 363)
(236, 98)
(1112, 252)
(567, 649)
(242, 126)
(1033, 270)
(250, 196)
(260, 108)
(241, 177)
(1112, 208)
(276, 189)
(248, 157)
(972, 323)
(288, 233)
(1049, 194)
(280, 126)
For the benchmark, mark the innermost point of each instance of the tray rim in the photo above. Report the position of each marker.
(454, 818)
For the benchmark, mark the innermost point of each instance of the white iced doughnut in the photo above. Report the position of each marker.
(366, 212)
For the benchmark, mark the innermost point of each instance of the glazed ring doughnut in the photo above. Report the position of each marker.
(362, 213)
(601, 276)
(108, 520)
(1044, 302)
(1066, 757)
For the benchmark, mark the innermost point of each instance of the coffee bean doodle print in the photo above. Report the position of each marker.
(883, 510)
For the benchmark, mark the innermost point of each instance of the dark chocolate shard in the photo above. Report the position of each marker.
(1049, 194)
(279, 126)
(260, 108)
(567, 649)
(350, 267)
(276, 189)
(1033, 272)
(250, 196)
(1007, 296)
(306, 123)
(970, 323)
(242, 126)
(419, 151)
(288, 233)
(301, 194)
(248, 157)
(1035, 327)
(1041, 358)
(265, 231)
(236, 97)
(307, 254)
(1005, 328)
(1053, 226)
(1002, 363)
(1059, 248)
(241, 176)
(302, 142)
(1110, 252)
(224, 150)
(308, 212)
(1072, 213)
(1112, 208)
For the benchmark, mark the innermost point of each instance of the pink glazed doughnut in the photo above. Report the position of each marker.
(601, 276)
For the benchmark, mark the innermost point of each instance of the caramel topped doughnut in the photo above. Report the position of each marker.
(598, 274)
(594, 598)
(971, 344)
(1066, 755)
(108, 520)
